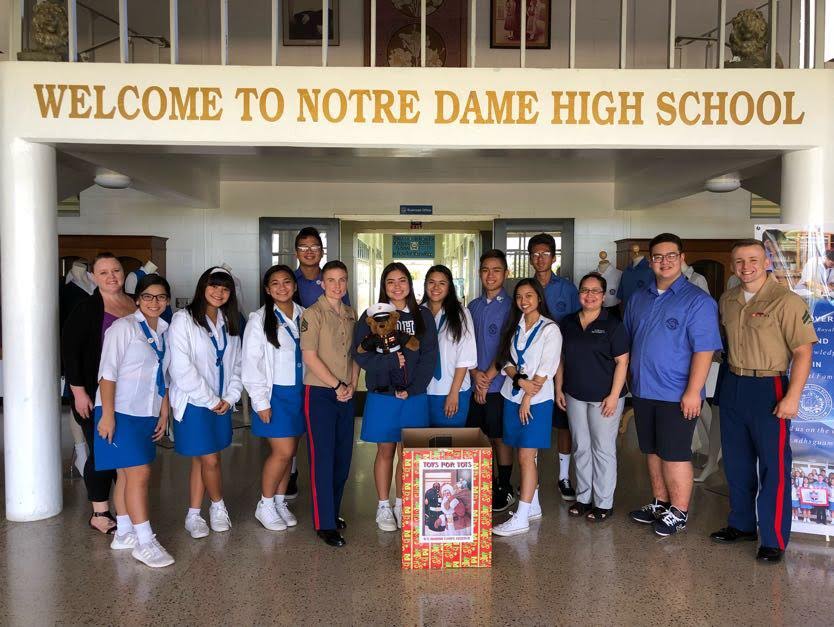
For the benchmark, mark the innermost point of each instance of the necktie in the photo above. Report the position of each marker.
(219, 353)
(520, 351)
(438, 368)
(297, 341)
(160, 356)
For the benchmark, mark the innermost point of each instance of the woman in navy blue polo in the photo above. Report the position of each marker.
(590, 386)
(388, 410)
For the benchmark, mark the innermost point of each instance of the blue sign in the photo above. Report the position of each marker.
(412, 246)
(812, 433)
(416, 210)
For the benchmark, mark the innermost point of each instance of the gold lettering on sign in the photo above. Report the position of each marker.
(79, 108)
(441, 97)
(666, 108)
(121, 102)
(277, 110)
(383, 101)
(719, 108)
(341, 107)
(775, 107)
(212, 112)
(101, 114)
(751, 108)
(636, 107)
(358, 97)
(183, 107)
(789, 118)
(248, 93)
(162, 103)
(48, 103)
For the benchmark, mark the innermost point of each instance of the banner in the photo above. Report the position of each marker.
(803, 259)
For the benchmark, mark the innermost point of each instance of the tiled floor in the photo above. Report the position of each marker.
(563, 572)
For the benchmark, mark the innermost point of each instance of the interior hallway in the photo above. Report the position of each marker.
(565, 571)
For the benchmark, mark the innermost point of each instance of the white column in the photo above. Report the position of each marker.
(373, 33)
(174, 30)
(673, 19)
(572, 36)
(124, 40)
(722, 32)
(473, 39)
(224, 32)
(803, 187)
(29, 261)
(423, 18)
(623, 32)
(325, 31)
(72, 31)
(276, 32)
(522, 42)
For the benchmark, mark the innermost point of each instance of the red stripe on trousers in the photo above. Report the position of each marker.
(312, 456)
(780, 489)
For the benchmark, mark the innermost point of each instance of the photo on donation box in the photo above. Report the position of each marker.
(446, 505)
(802, 259)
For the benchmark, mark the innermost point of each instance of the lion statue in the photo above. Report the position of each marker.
(49, 32)
(749, 41)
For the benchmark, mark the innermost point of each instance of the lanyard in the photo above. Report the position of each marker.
(520, 351)
(220, 352)
(160, 356)
(294, 339)
(438, 368)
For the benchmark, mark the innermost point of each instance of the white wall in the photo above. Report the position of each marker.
(199, 238)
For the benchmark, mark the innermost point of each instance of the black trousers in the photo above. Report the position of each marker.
(98, 482)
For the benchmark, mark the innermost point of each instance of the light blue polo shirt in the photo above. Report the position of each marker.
(665, 330)
(489, 318)
(561, 296)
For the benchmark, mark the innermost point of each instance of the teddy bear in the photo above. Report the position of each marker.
(384, 338)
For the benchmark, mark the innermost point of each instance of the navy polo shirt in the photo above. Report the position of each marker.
(589, 355)
(489, 317)
(309, 291)
(665, 330)
(561, 296)
(634, 279)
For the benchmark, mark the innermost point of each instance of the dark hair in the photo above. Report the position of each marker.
(451, 305)
(829, 254)
(542, 238)
(308, 231)
(663, 238)
(410, 300)
(103, 255)
(512, 320)
(775, 235)
(742, 243)
(151, 279)
(270, 323)
(598, 277)
(333, 265)
(197, 308)
(494, 253)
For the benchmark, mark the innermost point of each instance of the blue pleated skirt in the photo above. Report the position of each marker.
(386, 416)
(438, 418)
(536, 433)
(131, 446)
(202, 432)
(287, 419)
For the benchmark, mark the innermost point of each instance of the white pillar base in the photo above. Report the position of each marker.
(803, 188)
(29, 263)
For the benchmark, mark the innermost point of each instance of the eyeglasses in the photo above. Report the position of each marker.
(308, 249)
(585, 290)
(544, 255)
(667, 257)
(160, 298)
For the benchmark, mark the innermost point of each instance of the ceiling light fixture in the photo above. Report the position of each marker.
(729, 182)
(111, 180)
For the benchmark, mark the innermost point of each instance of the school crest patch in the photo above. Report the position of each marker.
(672, 324)
(493, 329)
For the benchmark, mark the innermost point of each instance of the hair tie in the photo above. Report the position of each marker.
(218, 269)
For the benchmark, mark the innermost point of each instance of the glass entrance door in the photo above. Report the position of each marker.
(512, 236)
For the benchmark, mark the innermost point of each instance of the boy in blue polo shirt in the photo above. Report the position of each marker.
(562, 299)
(489, 313)
(673, 326)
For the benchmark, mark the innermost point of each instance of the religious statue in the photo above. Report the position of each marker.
(49, 32)
(749, 41)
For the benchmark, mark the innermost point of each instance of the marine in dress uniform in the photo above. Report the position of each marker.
(769, 331)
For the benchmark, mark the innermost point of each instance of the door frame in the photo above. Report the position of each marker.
(564, 225)
(266, 226)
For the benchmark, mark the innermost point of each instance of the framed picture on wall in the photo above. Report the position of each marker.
(398, 33)
(302, 23)
(505, 24)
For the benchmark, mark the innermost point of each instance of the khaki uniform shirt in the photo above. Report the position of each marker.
(763, 333)
(330, 334)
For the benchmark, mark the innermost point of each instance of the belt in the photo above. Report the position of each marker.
(746, 372)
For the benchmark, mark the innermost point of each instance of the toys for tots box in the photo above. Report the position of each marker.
(447, 499)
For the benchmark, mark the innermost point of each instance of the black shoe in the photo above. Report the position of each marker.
(580, 509)
(728, 535)
(502, 500)
(331, 537)
(769, 554)
(292, 487)
(340, 523)
(567, 491)
(648, 514)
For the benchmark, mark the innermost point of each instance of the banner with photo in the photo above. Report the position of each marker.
(803, 259)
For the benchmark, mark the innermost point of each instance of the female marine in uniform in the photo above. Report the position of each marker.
(273, 376)
(449, 389)
(131, 414)
(389, 410)
(531, 345)
(205, 384)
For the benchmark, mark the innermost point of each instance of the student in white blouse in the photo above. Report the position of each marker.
(205, 385)
(273, 374)
(531, 346)
(449, 390)
(131, 413)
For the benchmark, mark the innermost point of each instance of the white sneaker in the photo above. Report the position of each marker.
(152, 554)
(535, 511)
(385, 518)
(284, 512)
(126, 541)
(513, 526)
(268, 517)
(219, 518)
(398, 516)
(196, 526)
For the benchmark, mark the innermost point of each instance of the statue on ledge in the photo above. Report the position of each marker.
(749, 41)
(49, 31)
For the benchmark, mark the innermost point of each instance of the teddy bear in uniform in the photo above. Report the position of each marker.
(385, 339)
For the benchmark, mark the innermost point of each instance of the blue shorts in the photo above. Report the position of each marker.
(808, 507)
(287, 419)
(536, 433)
(202, 432)
(132, 444)
(386, 416)
(438, 418)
